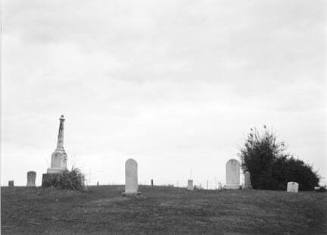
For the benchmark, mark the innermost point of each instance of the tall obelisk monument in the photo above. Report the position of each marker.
(59, 156)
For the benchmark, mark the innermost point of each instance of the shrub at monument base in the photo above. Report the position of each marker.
(271, 167)
(73, 180)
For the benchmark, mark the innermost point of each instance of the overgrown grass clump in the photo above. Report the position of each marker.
(71, 180)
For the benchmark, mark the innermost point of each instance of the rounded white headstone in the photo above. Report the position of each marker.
(233, 174)
(131, 185)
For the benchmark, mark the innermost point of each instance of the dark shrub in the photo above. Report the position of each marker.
(73, 180)
(270, 167)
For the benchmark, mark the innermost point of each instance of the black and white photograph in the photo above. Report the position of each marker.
(163, 117)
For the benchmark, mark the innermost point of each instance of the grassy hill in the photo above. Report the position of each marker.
(102, 210)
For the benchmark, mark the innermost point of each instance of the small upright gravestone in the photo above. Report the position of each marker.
(11, 183)
(151, 182)
(190, 185)
(233, 174)
(131, 184)
(292, 187)
(31, 175)
(247, 180)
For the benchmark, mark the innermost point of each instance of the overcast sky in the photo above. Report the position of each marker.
(176, 85)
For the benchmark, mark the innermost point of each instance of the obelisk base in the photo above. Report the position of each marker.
(49, 180)
(126, 194)
(56, 170)
(246, 187)
(232, 186)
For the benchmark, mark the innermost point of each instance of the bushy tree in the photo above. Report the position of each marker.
(270, 166)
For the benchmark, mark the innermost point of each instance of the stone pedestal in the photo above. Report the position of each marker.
(56, 170)
(232, 186)
(58, 161)
(49, 180)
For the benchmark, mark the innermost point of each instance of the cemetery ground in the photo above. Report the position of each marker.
(161, 210)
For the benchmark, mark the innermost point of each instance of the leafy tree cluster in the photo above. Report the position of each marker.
(271, 167)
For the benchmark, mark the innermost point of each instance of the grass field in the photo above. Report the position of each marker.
(161, 210)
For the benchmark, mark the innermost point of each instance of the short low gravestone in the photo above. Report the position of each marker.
(292, 187)
(190, 185)
(131, 182)
(11, 183)
(31, 175)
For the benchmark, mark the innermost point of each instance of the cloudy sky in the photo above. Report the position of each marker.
(177, 85)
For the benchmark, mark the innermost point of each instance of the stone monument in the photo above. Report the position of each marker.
(31, 175)
(232, 174)
(131, 184)
(58, 159)
(292, 187)
(190, 185)
(10, 183)
(151, 182)
(247, 180)
(59, 156)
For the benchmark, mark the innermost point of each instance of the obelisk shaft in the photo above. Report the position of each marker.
(60, 141)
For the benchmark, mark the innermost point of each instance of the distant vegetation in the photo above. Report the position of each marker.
(271, 167)
(72, 180)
